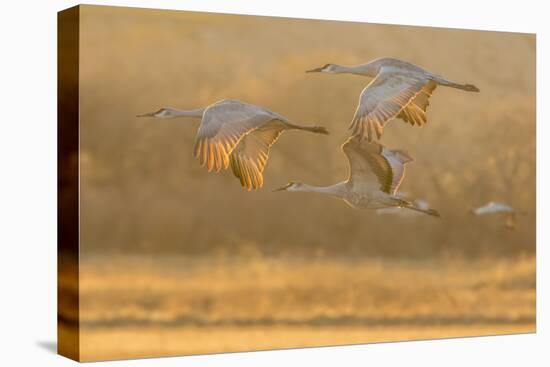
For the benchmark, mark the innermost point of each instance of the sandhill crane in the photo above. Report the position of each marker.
(494, 208)
(236, 133)
(375, 174)
(399, 89)
(401, 212)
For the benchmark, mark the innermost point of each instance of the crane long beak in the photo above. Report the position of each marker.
(283, 188)
(316, 70)
(148, 114)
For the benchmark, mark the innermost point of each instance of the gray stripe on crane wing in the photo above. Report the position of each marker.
(382, 100)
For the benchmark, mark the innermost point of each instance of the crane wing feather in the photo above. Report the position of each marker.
(373, 166)
(384, 98)
(415, 111)
(368, 170)
(397, 170)
(250, 156)
(223, 125)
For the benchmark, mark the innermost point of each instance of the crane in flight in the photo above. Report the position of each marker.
(238, 134)
(399, 89)
(375, 174)
(502, 209)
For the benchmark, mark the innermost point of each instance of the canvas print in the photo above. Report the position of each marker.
(237, 183)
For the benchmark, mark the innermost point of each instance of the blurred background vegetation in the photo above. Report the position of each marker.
(142, 191)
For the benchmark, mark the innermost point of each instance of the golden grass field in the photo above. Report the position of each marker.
(134, 307)
(176, 260)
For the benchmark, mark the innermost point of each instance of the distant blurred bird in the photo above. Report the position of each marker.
(238, 133)
(499, 208)
(399, 89)
(402, 212)
(375, 175)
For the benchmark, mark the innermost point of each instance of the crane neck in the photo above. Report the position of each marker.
(188, 113)
(363, 70)
(338, 190)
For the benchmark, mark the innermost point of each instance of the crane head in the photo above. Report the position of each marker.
(327, 68)
(291, 186)
(166, 112)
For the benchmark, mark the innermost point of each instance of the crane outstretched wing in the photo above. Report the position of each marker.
(493, 207)
(249, 157)
(415, 111)
(397, 159)
(373, 166)
(386, 97)
(223, 125)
